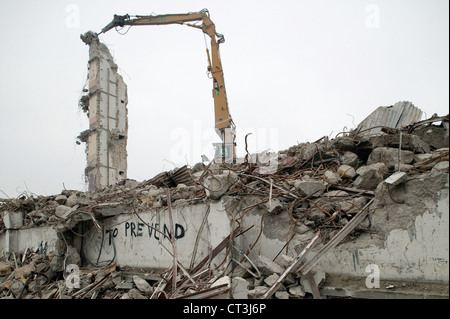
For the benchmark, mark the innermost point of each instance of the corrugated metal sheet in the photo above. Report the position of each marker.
(172, 178)
(400, 115)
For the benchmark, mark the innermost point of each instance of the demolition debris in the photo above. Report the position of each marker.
(324, 194)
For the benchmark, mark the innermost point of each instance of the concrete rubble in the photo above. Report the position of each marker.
(318, 187)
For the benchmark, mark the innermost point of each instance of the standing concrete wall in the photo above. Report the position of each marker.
(107, 110)
(130, 241)
(412, 235)
(408, 238)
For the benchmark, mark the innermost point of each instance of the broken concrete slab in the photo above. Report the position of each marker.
(441, 166)
(217, 185)
(239, 288)
(61, 199)
(124, 285)
(436, 136)
(353, 205)
(12, 220)
(267, 266)
(332, 177)
(297, 291)
(284, 260)
(346, 171)
(396, 178)
(370, 176)
(345, 144)
(271, 280)
(63, 211)
(282, 295)
(257, 292)
(274, 206)
(400, 140)
(390, 156)
(310, 188)
(350, 158)
(421, 157)
(142, 285)
(316, 215)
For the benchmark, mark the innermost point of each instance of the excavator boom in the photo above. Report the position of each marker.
(224, 124)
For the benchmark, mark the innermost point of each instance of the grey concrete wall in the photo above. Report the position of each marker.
(409, 237)
(133, 243)
(17, 240)
(414, 243)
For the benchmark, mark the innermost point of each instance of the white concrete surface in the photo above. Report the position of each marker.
(138, 245)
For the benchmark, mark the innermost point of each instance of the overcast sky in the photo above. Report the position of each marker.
(295, 70)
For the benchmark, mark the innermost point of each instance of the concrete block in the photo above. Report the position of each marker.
(332, 177)
(258, 292)
(421, 157)
(350, 158)
(61, 199)
(396, 178)
(284, 260)
(441, 166)
(13, 220)
(217, 185)
(316, 214)
(239, 288)
(270, 281)
(310, 188)
(268, 267)
(142, 284)
(282, 295)
(124, 285)
(346, 171)
(297, 291)
(390, 156)
(370, 176)
(63, 211)
(274, 206)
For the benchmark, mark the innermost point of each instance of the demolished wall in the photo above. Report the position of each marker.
(330, 209)
(106, 106)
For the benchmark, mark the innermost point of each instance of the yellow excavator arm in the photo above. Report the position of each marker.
(224, 124)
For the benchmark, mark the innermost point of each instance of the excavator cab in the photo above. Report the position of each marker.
(224, 152)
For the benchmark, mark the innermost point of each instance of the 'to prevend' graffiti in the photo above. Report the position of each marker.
(153, 230)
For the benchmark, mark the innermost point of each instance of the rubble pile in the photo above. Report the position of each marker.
(323, 186)
(38, 276)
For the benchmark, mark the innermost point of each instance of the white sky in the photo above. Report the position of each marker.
(295, 70)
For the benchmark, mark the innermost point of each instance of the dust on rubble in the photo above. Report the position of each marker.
(320, 185)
